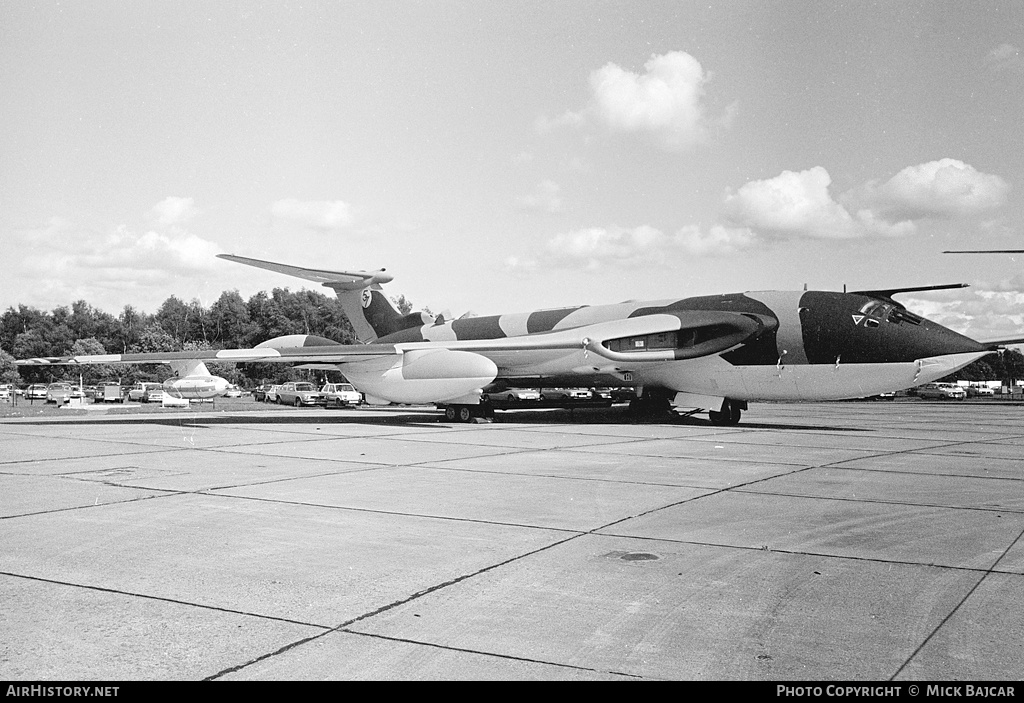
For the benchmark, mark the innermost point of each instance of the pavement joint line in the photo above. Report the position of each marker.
(936, 474)
(821, 555)
(737, 487)
(881, 501)
(267, 655)
(164, 599)
(399, 602)
(963, 600)
(697, 458)
(350, 460)
(285, 479)
(159, 450)
(377, 511)
(499, 655)
(167, 494)
(576, 478)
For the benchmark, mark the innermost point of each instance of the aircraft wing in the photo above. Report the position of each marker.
(334, 353)
(439, 371)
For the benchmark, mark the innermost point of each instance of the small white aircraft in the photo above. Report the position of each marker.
(713, 353)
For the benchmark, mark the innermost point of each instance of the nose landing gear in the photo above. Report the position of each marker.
(729, 414)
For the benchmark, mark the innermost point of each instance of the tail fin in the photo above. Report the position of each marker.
(369, 311)
(373, 309)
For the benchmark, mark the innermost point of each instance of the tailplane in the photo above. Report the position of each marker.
(369, 311)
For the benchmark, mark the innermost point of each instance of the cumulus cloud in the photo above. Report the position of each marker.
(61, 261)
(1005, 58)
(545, 198)
(716, 241)
(122, 253)
(945, 188)
(598, 248)
(316, 214)
(666, 100)
(987, 311)
(798, 204)
(173, 211)
(792, 205)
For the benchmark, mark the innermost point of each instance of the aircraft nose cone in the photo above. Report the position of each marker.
(932, 339)
(860, 329)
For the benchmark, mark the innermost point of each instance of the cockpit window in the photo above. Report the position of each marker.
(899, 315)
(876, 309)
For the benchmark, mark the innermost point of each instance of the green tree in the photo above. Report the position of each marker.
(8, 369)
(229, 319)
(92, 373)
(173, 318)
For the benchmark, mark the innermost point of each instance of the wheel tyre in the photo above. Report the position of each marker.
(511, 398)
(729, 415)
(297, 402)
(465, 413)
(449, 413)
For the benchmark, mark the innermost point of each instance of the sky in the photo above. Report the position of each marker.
(508, 156)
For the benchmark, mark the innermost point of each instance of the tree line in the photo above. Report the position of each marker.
(230, 322)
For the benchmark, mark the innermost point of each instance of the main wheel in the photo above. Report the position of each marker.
(465, 413)
(449, 413)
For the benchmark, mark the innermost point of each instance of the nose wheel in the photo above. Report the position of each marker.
(729, 414)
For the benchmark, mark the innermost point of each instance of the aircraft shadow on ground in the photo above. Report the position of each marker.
(581, 416)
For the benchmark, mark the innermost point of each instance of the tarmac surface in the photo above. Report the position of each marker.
(833, 541)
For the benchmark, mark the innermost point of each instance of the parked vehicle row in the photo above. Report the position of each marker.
(513, 396)
(300, 393)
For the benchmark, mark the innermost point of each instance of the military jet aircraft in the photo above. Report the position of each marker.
(712, 353)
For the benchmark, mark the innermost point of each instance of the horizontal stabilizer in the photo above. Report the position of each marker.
(344, 280)
(890, 292)
(1003, 342)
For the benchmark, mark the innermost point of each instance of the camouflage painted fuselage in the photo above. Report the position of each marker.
(822, 344)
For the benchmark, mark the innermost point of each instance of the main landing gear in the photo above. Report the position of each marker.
(729, 414)
(650, 405)
(464, 413)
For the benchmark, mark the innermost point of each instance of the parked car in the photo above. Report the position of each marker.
(58, 393)
(512, 395)
(981, 392)
(298, 393)
(340, 394)
(6, 390)
(147, 392)
(37, 391)
(270, 393)
(233, 391)
(565, 394)
(941, 391)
